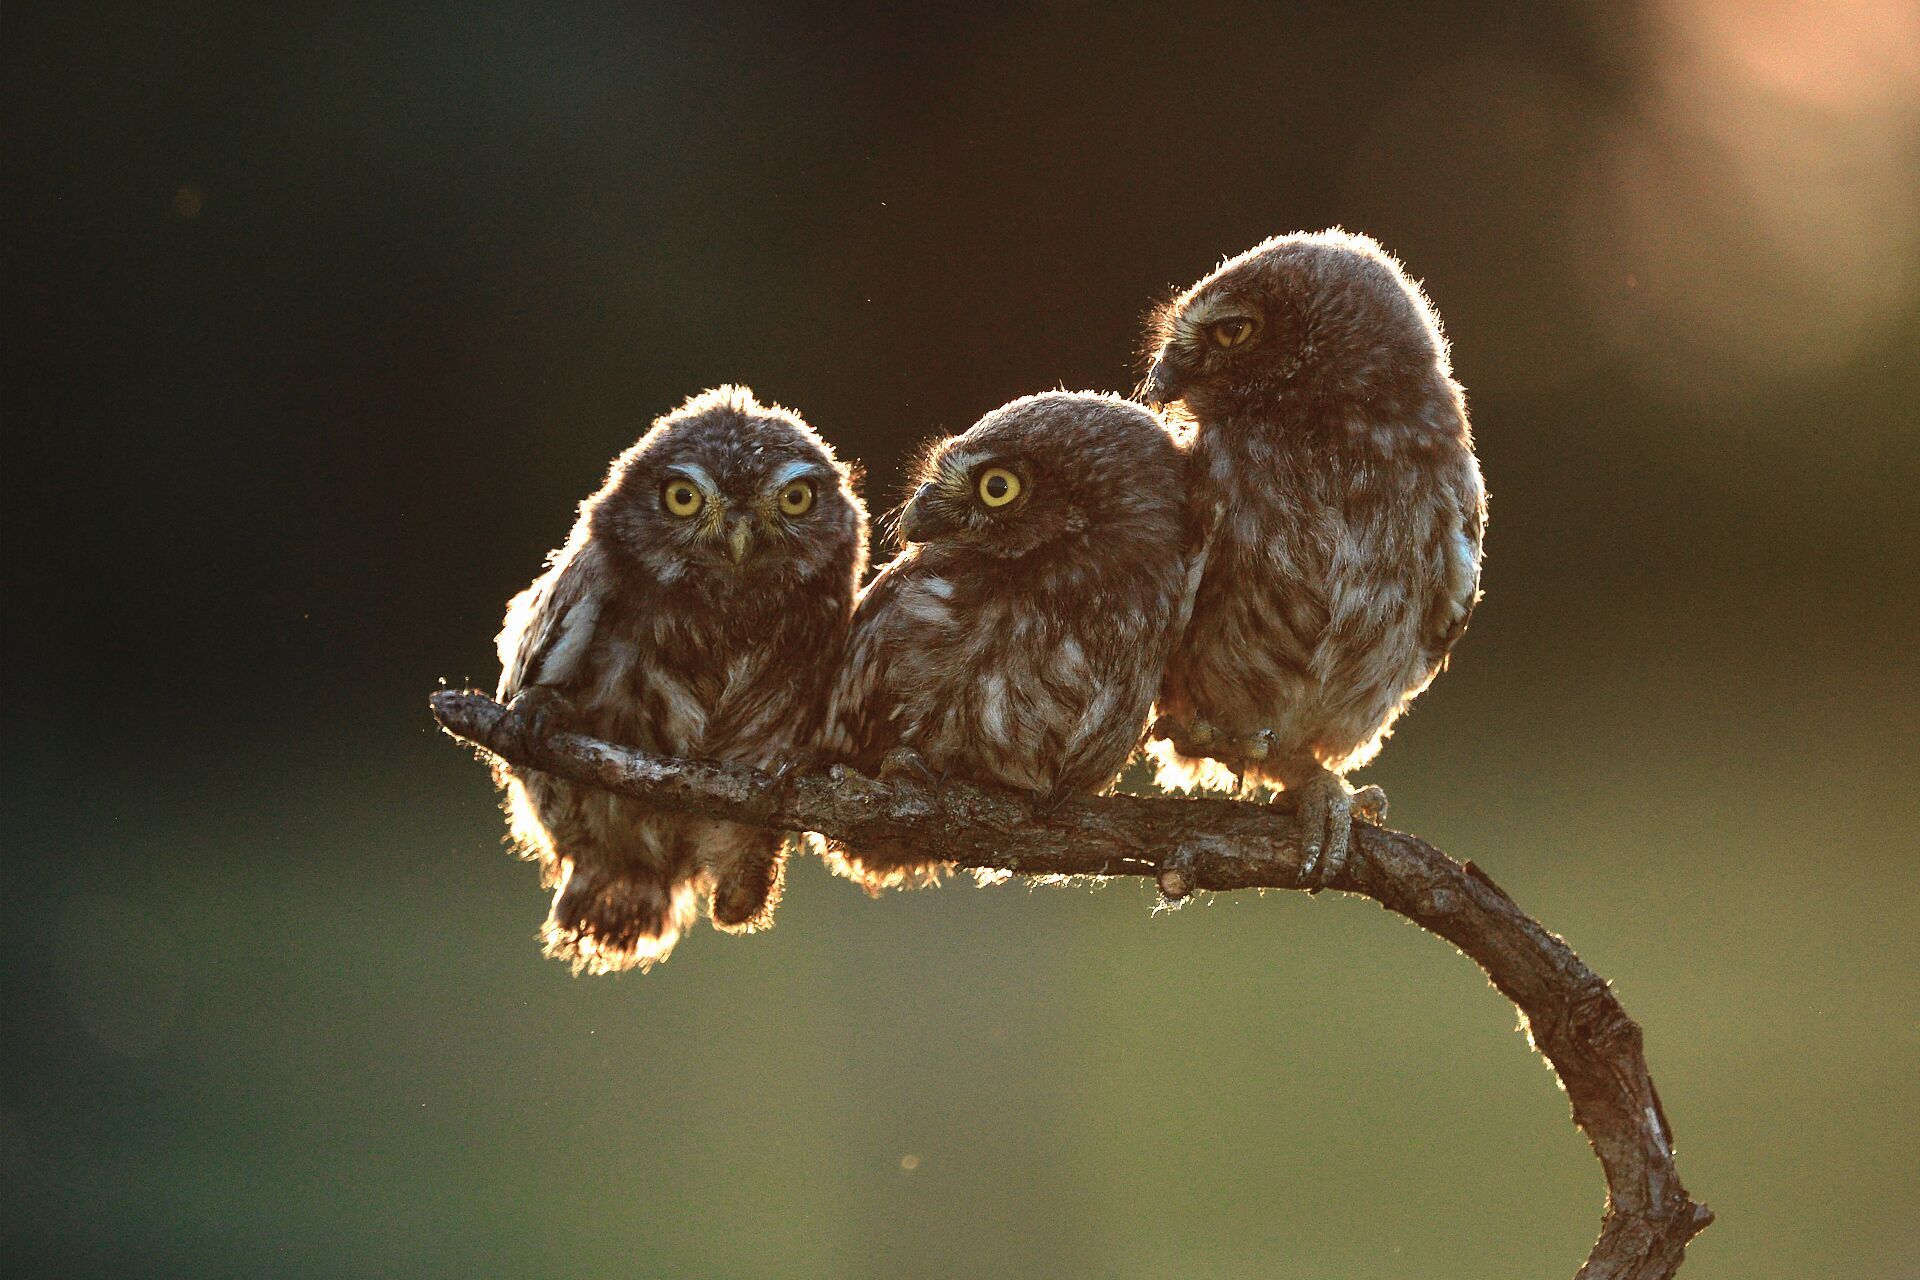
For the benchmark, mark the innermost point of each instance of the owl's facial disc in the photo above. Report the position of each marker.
(745, 525)
(1202, 335)
(713, 526)
(1230, 338)
(965, 498)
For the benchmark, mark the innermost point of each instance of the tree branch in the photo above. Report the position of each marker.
(1189, 845)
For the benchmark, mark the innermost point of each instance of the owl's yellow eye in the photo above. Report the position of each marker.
(997, 487)
(796, 499)
(681, 497)
(1232, 331)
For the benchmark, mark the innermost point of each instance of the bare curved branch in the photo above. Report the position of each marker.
(1189, 845)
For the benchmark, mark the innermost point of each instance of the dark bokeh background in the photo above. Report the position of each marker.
(318, 323)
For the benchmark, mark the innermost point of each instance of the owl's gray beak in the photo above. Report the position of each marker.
(739, 538)
(925, 518)
(1163, 383)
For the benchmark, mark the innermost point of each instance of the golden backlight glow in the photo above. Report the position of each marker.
(1766, 198)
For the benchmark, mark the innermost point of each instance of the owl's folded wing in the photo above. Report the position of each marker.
(550, 625)
(1202, 519)
(857, 722)
(1460, 583)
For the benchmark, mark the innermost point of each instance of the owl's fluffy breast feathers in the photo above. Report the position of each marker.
(1032, 667)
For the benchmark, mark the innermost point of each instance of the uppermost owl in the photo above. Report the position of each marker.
(1334, 473)
(1324, 326)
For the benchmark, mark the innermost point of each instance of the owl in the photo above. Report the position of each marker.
(1334, 471)
(1020, 636)
(697, 609)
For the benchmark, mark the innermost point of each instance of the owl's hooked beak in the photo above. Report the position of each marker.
(1163, 382)
(739, 538)
(925, 517)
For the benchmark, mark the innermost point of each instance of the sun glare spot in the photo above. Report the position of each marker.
(1764, 195)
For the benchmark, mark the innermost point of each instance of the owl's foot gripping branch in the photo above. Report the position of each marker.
(1191, 846)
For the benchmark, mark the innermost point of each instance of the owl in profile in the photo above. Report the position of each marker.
(696, 610)
(1335, 474)
(1019, 638)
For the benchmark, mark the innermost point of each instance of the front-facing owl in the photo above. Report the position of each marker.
(696, 610)
(1019, 638)
(1334, 468)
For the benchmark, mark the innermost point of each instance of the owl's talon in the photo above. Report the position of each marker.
(1194, 737)
(904, 764)
(863, 791)
(786, 771)
(913, 779)
(1256, 746)
(1324, 807)
(1202, 739)
(540, 712)
(1052, 802)
(1177, 878)
(1310, 812)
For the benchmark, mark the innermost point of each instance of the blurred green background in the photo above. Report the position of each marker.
(318, 321)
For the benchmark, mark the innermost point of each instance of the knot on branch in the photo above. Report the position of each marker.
(1597, 1019)
(1177, 879)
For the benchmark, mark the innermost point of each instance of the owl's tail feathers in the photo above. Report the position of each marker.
(881, 866)
(747, 891)
(607, 921)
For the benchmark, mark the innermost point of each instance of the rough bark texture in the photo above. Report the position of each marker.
(1190, 845)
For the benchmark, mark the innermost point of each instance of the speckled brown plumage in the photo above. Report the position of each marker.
(708, 633)
(1021, 645)
(1333, 466)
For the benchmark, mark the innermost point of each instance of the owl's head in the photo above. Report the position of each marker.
(1329, 316)
(1045, 470)
(729, 492)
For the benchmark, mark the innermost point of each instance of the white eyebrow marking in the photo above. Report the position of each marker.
(790, 471)
(957, 467)
(698, 474)
(1203, 311)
